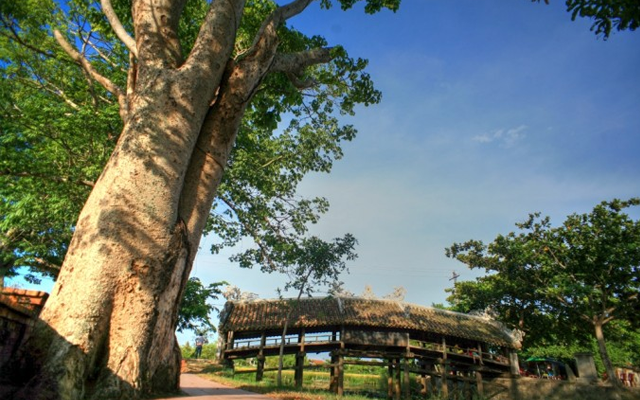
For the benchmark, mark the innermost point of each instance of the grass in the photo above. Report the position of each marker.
(315, 385)
(358, 386)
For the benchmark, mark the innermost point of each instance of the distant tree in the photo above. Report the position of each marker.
(195, 309)
(515, 301)
(314, 263)
(584, 273)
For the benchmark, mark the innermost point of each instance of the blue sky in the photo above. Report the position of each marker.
(491, 110)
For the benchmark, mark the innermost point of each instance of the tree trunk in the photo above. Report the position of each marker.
(108, 329)
(604, 355)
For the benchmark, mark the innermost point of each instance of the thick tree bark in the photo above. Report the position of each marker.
(107, 330)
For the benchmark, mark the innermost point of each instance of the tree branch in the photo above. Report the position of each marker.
(82, 182)
(292, 9)
(119, 30)
(293, 62)
(256, 237)
(46, 265)
(81, 61)
(14, 36)
(216, 39)
(51, 88)
(266, 39)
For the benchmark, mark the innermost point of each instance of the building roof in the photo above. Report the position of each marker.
(315, 313)
(27, 302)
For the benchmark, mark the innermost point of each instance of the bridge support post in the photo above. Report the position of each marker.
(398, 383)
(260, 368)
(390, 379)
(424, 381)
(340, 375)
(336, 383)
(513, 363)
(479, 383)
(406, 378)
(333, 381)
(261, 357)
(444, 385)
(299, 369)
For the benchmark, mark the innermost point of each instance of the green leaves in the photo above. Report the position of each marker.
(585, 270)
(56, 132)
(195, 309)
(59, 128)
(607, 14)
(371, 6)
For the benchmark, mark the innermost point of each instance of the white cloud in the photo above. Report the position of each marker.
(505, 137)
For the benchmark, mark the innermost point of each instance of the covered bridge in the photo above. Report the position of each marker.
(406, 338)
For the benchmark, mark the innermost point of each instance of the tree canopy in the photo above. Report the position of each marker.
(571, 280)
(195, 309)
(59, 128)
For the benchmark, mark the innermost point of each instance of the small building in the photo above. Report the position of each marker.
(19, 309)
(406, 338)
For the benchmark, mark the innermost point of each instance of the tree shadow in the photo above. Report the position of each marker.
(28, 376)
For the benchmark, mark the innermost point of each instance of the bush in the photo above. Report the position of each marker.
(209, 351)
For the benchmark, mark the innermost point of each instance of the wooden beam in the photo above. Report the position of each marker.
(444, 386)
(390, 379)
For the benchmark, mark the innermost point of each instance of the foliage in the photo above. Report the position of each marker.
(573, 279)
(194, 308)
(209, 351)
(607, 14)
(57, 130)
(314, 263)
(45, 183)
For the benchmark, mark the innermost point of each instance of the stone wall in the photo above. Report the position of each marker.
(544, 389)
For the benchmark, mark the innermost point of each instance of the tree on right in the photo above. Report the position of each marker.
(572, 280)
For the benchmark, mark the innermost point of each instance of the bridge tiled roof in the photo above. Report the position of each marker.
(314, 313)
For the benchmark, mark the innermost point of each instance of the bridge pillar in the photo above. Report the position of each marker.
(424, 380)
(299, 368)
(261, 357)
(333, 374)
(390, 379)
(513, 363)
(444, 385)
(260, 368)
(340, 375)
(398, 384)
(406, 378)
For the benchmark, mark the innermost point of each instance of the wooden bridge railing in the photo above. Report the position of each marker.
(275, 341)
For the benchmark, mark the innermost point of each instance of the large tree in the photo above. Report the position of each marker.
(108, 327)
(190, 80)
(584, 274)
